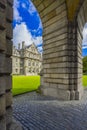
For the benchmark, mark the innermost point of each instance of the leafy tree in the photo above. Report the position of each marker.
(85, 65)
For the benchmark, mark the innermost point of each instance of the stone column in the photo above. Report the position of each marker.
(75, 86)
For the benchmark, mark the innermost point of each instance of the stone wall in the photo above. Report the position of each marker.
(5, 63)
(6, 16)
(62, 70)
(55, 64)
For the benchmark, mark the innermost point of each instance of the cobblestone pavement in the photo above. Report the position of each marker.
(37, 112)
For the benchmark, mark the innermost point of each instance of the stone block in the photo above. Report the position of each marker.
(56, 65)
(9, 12)
(2, 63)
(41, 80)
(55, 43)
(41, 7)
(2, 85)
(63, 86)
(50, 92)
(8, 99)
(2, 20)
(8, 115)
(3, 123)
(47, 2)
(8, 65)
(10, 2)
(72, 95)
(8, 80)
(79, 93)
(3, 3)
(54, 17)
(56, 26)
(2, 40)
(56, 76)
(57, 93)
(51, 7)
(58, 48)
(9, 30)
(2, 105)
(55, 34)
(9, 47)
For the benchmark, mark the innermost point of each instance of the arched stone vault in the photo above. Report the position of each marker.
(63, 22)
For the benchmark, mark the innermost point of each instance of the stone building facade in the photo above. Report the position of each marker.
(26, 60)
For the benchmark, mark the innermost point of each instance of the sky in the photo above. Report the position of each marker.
(27, 26)
(84, 42)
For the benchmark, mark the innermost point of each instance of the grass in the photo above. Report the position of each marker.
(22, 84)
(84, 78)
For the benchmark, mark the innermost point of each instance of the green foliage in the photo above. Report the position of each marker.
(85, 65)
(84, 78)
(22, 84)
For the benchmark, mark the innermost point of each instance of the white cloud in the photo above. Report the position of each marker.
(24, 5)
(40, 24)
(16, 14)
(84, 43)
(40, 49)
(28, 5)
(37, 40)
(21, 33)
(32, 8)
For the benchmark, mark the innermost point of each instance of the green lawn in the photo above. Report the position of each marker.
(85, 80)
(22, 84)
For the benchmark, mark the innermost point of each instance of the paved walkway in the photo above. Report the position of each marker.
(37, 112)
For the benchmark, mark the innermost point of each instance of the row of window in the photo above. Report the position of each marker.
(30, 70)
(34, 70)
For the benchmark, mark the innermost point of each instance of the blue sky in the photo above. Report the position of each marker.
(27, 26)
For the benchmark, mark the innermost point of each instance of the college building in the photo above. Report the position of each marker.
(26, 60)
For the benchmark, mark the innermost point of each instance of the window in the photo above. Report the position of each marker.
(29, 70)
(16, 59)
(29, 63)
(16, 70)
(33, 63)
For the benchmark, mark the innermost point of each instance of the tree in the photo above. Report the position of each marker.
(85, 65)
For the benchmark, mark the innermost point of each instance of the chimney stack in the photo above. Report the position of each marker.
(23, 45)
(19, 46)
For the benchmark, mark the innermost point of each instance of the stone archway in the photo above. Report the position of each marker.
(60, 58)
(61, 78)
(55, 79)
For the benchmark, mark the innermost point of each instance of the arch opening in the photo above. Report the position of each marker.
(27, 41)
(84, 55)
(81, 41)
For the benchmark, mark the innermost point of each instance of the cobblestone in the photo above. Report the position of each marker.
(36, 112)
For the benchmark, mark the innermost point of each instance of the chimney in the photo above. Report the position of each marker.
(23, 45)
(19, 46)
